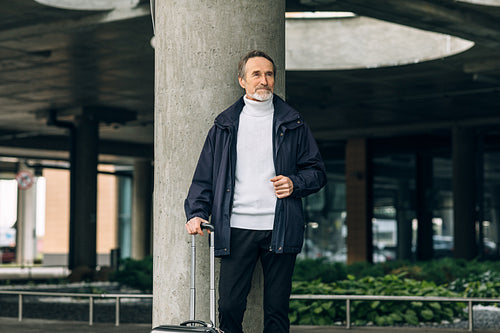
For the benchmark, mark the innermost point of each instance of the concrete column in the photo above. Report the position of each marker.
(125, 208)
(26, 243)
(495, 228)
(142, 197)
(358, 202)
(83, 230)
(464, 187)
(404, 216)
(447, 216)
(197, 48)
(424, 207)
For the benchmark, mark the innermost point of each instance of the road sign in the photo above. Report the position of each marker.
(25, 180)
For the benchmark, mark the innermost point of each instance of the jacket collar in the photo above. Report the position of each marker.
(283, 113)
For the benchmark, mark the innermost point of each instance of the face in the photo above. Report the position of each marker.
(259, 79)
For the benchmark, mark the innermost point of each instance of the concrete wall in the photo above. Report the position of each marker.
(56, 238)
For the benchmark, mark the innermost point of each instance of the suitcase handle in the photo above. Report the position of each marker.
(193, 322)
(192, 301)
(207, 226)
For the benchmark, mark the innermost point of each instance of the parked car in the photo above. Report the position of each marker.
(312, 251)
(341, 256)
(8, 255)
(490, 249)
(443, 246)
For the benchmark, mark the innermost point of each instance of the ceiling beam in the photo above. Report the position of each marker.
(58, 145)
(68, 25)
(482, 65)
(402, 129)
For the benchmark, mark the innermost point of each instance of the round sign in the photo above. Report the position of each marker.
(24, 180)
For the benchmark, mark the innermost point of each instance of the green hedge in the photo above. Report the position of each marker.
(483, 285)
(445, 277)
(308, 312)
(441, 271)
(135, 273)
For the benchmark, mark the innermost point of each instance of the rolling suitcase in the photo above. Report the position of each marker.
(192, 325)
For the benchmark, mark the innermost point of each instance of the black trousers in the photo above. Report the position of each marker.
(236, 270)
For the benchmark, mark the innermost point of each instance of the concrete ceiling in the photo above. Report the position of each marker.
(409, 99)
(66, 61)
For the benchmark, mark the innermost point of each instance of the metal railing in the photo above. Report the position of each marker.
(349, 298)
(33, 272)
(91, 298)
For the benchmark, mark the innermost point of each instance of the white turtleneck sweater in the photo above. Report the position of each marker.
(254, 199)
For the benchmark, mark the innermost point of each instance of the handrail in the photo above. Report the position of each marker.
(90, 296)
(349, 298)
(33, 272)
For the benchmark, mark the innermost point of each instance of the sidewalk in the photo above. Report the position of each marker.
(12, 325)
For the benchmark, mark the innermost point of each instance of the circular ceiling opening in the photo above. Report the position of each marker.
(360, 42)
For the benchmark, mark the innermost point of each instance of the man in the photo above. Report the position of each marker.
(258, 161)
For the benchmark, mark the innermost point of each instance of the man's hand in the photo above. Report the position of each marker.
(283, 186)
(193, 226)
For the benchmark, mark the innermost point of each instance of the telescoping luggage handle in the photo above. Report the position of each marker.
(192, 302)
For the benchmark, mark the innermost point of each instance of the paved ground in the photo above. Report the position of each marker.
(12, 325)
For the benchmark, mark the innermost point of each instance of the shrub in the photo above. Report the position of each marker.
(440, 271)
(483, 285)
(445, 277)
(310, 312)
(312, 269)
(135, 274)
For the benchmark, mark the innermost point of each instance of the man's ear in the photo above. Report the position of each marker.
(242, 82)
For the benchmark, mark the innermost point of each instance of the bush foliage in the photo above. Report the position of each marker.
(446, 278)
(443, 271)
(377, 312)
(135, 273)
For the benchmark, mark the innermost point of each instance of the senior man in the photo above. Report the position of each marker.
(259, 159)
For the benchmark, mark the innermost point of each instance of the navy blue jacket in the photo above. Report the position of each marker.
(296, 156)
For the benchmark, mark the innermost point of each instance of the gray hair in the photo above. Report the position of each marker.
(253, 54)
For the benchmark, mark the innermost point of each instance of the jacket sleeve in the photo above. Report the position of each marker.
(200, 197)
(311, 173)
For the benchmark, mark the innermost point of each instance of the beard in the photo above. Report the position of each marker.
(262, 95)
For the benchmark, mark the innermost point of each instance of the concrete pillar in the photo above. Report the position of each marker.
(26, 243)
(404, 216)
(142, 197)
(479, 192)
(83, 230)
(495, 228)
(447, 216)
(424, 207)
(464, 187)
(358, 202)
(125, 208)
(197, 48)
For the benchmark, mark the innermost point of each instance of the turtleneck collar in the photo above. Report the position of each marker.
(257, 108)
